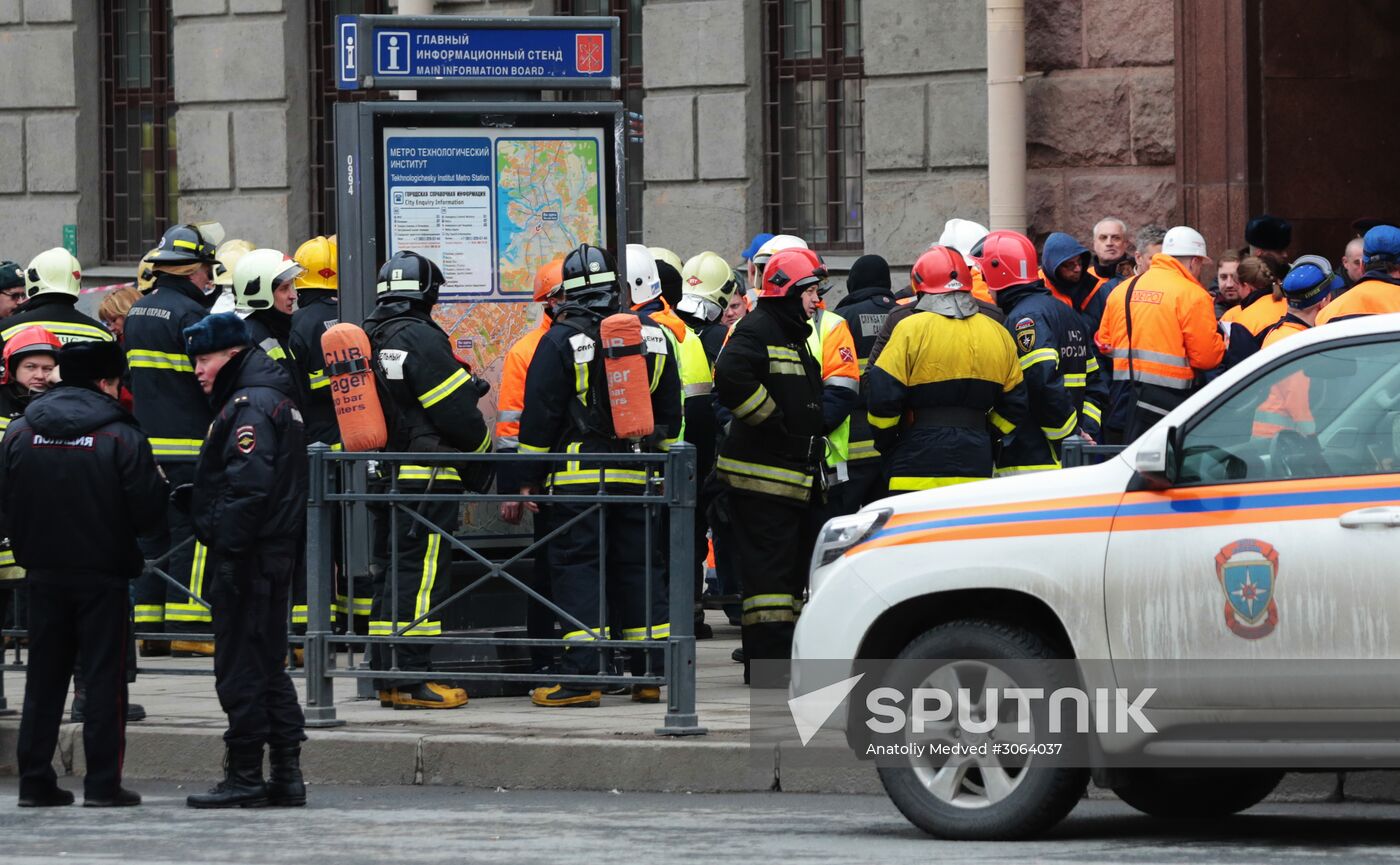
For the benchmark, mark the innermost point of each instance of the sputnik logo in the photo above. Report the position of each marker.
(811, 711)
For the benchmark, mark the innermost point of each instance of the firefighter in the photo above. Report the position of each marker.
(771, 461)
(226, 260)
(53, 283)
(953, 373)
(568, 410)
(869, 300)
(539, 619)
(78, 437)
(174, 412)
(433, 399)
(708, 284)
(265, 296)
(248, 504)
(1063, 381)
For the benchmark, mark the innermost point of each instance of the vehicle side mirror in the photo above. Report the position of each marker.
(1157, 456)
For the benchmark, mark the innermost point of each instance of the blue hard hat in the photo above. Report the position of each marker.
(1382, 241)
(755, 245)
(1310, 279)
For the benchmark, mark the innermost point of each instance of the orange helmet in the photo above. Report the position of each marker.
(549, 279)
(940, 270)
(31, 340)
(1006, 258)
(792, 271)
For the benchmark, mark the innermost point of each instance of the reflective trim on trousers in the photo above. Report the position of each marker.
(654, 632)
(904, 484)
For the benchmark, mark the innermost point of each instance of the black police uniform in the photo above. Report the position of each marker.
(175, 413)
(13, 596)
(770, 465)
(249, 509)
(1065, 383)
(271, 331)
(57, 313)
(73, 438)
(864, 308)
(434, 407)
(567, 411)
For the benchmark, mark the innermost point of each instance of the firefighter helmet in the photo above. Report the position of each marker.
(257, 276)
(188, 244)
(707, 286)
(1006, 258)
(789, 272)
(775, 244)
(661, 253)
(53, 271)
(409, 276)
(962, 235)
(940, 270)
(548, 279)
(226, 259)
(146, 274)
(319, 258)
(643, 280)
(590, 278)
(31, 340)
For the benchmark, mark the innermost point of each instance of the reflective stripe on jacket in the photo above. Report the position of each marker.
(1174, 328)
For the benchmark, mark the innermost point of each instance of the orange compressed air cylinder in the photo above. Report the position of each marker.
(629, 385)
(358, 412)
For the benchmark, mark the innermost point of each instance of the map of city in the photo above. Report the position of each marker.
(547, 203)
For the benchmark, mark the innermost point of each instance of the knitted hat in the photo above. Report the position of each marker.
(215, 333)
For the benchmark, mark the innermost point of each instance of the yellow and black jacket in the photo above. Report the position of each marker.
(168, 402)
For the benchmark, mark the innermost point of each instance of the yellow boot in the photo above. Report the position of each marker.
(429, 695)
(558, 695)
(192, 648)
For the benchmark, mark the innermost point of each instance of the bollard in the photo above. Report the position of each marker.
(681, 718)
(320, 568)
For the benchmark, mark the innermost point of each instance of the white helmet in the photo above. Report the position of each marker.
(777, 243)
(642, 279)
(257, 274)
(53, 271)
(661, 253)
(707, 285)
(226, 259)
(1184, 241)
(962, 235)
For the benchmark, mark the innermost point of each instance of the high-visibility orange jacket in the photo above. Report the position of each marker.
(1288, 405)
(979, 288)
(1258, 312)
(1367, 297)
(1174, 328)
(510, 399)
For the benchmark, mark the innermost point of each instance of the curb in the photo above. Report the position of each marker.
(714, 764)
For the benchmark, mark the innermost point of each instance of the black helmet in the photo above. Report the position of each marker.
(590, 278)
(11, 276)
(409, 276)
(182, 244)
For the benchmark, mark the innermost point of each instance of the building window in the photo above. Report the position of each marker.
(629, 14)
(324, 96)
(138, 108)
(813, 125)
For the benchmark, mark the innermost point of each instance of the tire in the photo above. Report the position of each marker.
(1038, 796)
(1196, 794)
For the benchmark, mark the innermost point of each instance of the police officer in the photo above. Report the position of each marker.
(264, 296)
(433, 409)
(53, 285)
(770, 463)
(952, 372)
(248, 504)
(1066, 388)
(869, 300)
(175, 413)
(567, 410)
(78, 437)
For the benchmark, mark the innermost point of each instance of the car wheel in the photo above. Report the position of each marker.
(987, 797)
(1196, 793)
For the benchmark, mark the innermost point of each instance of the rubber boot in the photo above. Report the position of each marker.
(243, 785)
(646, 693)
(562, 695)
(429, 695)
(192, 648)
(285, 788)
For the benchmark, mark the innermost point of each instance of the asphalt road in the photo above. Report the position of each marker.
(411, 825)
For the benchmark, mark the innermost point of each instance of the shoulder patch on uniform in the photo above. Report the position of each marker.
(246, 438)
(391, 362)
(871, 322)
(1025, 334)
(584, 347)
(846, 354)
(654, 340)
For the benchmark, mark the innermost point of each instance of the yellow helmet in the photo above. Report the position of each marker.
(661, 253)
(146, 273)
(226, 257)
(320, 258)
(707, 284)
(53, 271)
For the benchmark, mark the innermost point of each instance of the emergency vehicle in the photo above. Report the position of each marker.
(1250, 577)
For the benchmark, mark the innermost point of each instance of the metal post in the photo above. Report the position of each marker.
(320, 568)
(681, 718)
(5, 710)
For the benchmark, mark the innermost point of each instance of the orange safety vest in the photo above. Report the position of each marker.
(1174, 328)
(1258, 313)
(1367, 297)
(511, 399)
(1288, 405)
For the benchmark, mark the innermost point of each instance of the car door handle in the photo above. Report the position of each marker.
(1371, 518)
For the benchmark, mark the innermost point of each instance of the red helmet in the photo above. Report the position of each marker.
(549, 279)
(791, 271)
(940, 270)
(1006, 258)
(31, 340)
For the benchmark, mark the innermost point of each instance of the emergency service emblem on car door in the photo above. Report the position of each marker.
(1248, 572)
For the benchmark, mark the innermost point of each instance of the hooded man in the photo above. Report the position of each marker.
(1065, 267)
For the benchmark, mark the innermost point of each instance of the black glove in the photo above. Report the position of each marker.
(181, 497)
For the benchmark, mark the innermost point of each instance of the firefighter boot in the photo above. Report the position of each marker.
(386, 698)
(154, 648)
(243, 785)
(646, 693)
(560, 695)
(191, 648)
(285, 788)
(429, 695)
